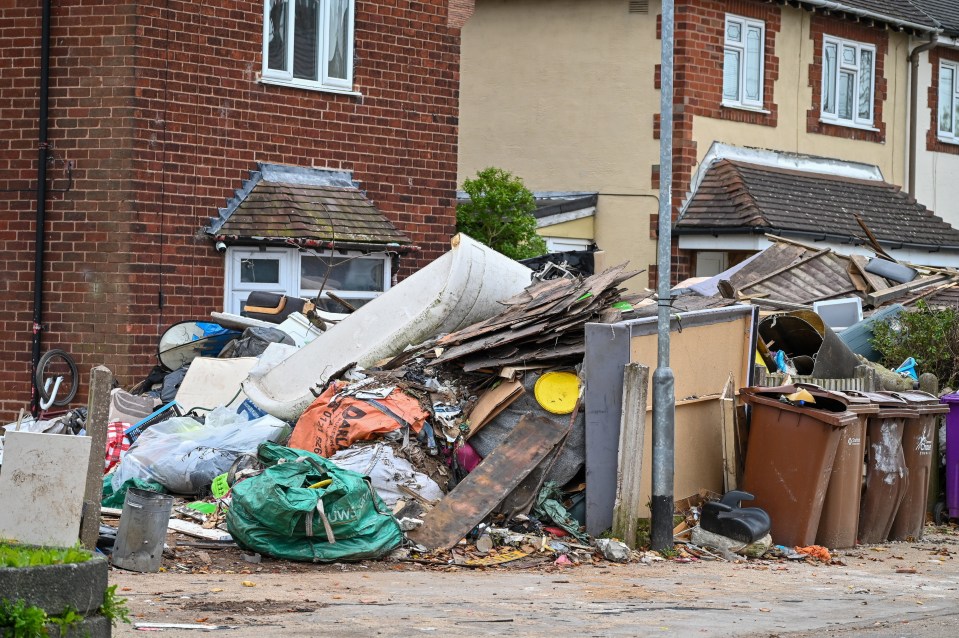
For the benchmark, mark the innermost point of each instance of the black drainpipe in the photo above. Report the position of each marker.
(41, 197)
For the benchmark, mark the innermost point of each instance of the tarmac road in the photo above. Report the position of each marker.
(881, 592)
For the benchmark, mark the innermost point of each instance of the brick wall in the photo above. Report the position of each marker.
(823, 25)
(157, 107)
(932, 138)
(698, 90)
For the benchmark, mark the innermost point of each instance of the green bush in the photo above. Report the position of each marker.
(499, 213)
(931, 336)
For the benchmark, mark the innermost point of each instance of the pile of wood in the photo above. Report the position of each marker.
(545, 324)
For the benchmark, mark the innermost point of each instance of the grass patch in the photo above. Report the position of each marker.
(13, 555)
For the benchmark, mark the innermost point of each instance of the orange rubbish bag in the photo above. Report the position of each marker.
(333, 422)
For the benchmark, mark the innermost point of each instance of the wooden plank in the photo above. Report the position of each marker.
(486, 486)
(98, 413)
(192, 529)
(632, 433)
(778, 304)
(879, 298)
(730, 456)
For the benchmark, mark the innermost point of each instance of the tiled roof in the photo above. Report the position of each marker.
(324, 213)
(897, 10)
(945, 12)
(736, 196)
(289, 203)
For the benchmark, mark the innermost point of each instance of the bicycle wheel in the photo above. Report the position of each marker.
(57, 363)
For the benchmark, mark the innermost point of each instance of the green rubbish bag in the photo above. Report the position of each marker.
(277, 513)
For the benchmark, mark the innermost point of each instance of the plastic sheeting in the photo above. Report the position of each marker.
(185, 455)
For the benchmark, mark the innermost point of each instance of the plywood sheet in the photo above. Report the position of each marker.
(41, 487)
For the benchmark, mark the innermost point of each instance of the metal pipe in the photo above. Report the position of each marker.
(41, 199)
(664, 404)
(914, 107)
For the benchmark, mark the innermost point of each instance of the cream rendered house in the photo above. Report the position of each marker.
(564, 93)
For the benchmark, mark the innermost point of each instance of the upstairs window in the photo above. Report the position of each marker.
(744, 44)
(309, 43)
(848, 82)
(949, 102)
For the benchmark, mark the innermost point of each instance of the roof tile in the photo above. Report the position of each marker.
(735, 194)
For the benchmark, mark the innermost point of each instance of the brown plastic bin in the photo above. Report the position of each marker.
(885, 483)
(918, 438)
(839, 523)
(789, 460)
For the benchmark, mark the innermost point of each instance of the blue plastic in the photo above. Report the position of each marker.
(908, 367)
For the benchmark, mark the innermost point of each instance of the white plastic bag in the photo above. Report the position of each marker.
(185, 456)
(387, 472)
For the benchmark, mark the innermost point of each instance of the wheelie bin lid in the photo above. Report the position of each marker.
(836, 418)
(890, 406)
(950, 398)
(825, 398)
(923, 402)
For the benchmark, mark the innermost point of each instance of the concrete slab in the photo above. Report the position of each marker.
(41, 487)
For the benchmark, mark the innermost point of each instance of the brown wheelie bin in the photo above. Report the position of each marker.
(885, 467)
(918, 437)
(789, 460)
(839, 523)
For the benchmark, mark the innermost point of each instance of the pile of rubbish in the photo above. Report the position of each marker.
(465, 447)
(447, 422)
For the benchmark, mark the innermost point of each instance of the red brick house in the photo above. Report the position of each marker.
(158, 112)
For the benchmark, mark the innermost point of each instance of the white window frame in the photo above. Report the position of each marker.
(235, 291)
(741, 101)
(833, 118)
(950, 136)
(324, 81)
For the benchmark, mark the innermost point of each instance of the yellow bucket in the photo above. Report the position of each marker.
(557, 392)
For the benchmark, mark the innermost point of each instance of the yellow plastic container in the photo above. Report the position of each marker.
(557, 392)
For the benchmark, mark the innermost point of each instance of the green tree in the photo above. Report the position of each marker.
(499, 213)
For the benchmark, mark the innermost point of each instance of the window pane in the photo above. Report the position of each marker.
(947, 84)
(753, 63)
(731, 75)
(865, 85)
(356, 274)
(339, 42)
(306, 45)
(734, 32)
(259, 271)
(279, 14)
(846, 96)
(829, 79)
(849, 56)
